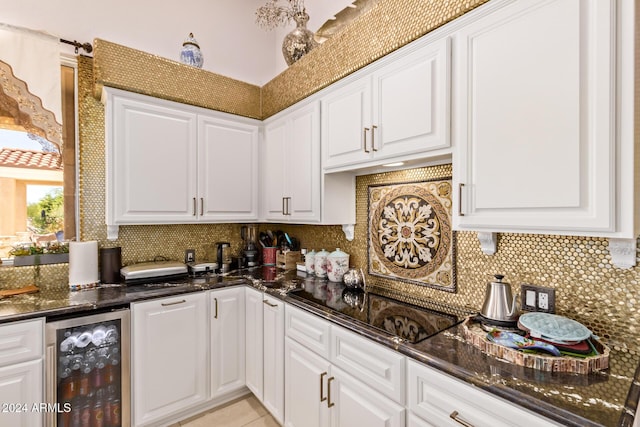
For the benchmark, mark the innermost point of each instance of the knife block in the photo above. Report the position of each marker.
(287, 260)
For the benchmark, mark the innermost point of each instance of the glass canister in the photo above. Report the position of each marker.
(309, 262)
(337, 265)
(320, 263)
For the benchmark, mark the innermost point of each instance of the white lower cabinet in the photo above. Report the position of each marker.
(264, 350)
(227, 340)
(306, 373)
(169, 357)
(273, 340)
(356, 404)
(319, 393)
(21, 373)
(253, 341)
(437, 399)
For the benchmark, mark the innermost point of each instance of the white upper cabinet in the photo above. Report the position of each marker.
(400, 109)
(227, 170)
(151, 159)
(535, 113)
(290, 166)
(170, 163)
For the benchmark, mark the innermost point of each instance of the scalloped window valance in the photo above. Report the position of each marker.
(30, 81)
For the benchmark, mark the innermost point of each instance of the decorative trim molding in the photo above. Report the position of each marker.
(624, 252)
(348, 230)
(488, 242)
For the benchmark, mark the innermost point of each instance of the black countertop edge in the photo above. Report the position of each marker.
(121, 298)
(523, 400)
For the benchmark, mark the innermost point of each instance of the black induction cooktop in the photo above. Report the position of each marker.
(409, 322)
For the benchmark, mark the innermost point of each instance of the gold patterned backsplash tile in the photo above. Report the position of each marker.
(588, 287)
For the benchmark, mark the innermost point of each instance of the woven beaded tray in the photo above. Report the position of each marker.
(478, 337)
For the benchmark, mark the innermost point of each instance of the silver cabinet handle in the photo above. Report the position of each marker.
(283, 211)
(194, 206)
(264, 301)
(201, 206)
(288, 205)
(166, 304)
(365, 140)
(216, 302)
(460, 187)
(322, 397)
(373, 136)
(455, 416)
(329, 402)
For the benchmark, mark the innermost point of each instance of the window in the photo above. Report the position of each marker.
(38, 177)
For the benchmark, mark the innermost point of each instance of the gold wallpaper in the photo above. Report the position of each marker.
(389, 25)
(130, 69)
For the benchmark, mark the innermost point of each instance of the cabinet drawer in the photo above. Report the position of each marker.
(378, 367)
(21, 341)
(308, 330)
(435, 396)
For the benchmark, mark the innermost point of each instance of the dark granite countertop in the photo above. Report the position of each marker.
(607, 398)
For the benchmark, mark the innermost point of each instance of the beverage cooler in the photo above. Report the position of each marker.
(87, 370)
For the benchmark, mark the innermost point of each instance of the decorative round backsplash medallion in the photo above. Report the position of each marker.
(410, 236)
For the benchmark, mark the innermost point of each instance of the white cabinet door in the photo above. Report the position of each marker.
(273, 327)
(21, 341)
(411, 109)
(227, 340)
(303, 165)
(21, 387)
(253, 341)
(227, 170)
(346, 116)
(380, 368)
(151, 159)
(273, 170)
(306, 376)
(170, 361)
(356, 404)
(290, 166)
(535, 118)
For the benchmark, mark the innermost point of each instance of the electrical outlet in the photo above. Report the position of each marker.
(537, 298)
(189, 255)
(543, 301)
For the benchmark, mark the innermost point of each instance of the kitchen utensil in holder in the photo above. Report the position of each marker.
(288, 259)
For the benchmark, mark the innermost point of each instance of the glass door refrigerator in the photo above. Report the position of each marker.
(87, 370)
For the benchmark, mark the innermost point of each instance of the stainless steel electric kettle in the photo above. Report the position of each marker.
(499, 302)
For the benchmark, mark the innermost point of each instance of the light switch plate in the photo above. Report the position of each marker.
(537, 298)
(189, 255)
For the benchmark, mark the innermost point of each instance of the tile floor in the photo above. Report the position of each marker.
(244, 412)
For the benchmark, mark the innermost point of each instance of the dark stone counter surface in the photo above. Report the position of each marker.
(607, 398)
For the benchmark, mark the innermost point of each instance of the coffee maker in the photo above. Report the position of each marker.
(249, 234)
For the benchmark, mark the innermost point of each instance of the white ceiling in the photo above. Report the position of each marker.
(232, 44)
